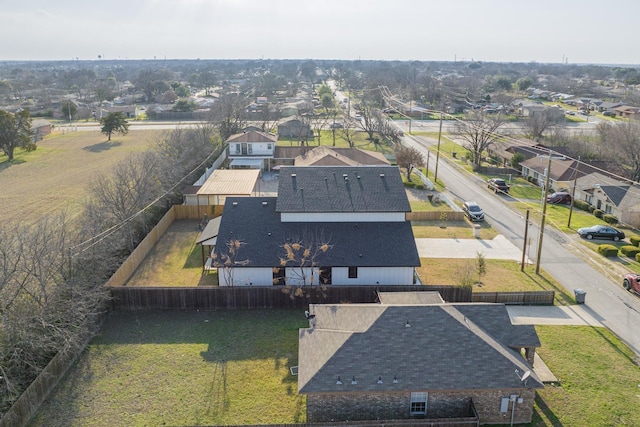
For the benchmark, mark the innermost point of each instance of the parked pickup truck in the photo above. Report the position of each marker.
(631, 282)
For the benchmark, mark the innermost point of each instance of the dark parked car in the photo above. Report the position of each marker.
(473, 211)
(601, 232)
(497, 185)
(336, 125)
(559, 198)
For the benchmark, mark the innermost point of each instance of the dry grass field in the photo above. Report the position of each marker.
(56, 176)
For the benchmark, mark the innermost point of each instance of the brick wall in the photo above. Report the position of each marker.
(389, 406)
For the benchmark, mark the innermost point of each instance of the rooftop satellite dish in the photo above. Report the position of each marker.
(525, 376)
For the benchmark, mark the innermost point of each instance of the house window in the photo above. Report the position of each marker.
(250, 148)
(418, 403)
(268, 146)
(607, 209)
(353, 272)
(237, 148)
(278, 276)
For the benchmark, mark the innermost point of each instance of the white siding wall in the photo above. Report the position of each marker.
(257, 149)
(262, 276)
(373, 275)
(294, 276)
(343, 217)
(339, 276)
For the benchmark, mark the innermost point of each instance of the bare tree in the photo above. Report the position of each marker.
(408, 158)
(227, 114)
(623, 139)
(303, 257)
(478, 131)
(537, 123)
(348, 131)
(49, 301)
(226, 259)
(370, 120)
(120, 198)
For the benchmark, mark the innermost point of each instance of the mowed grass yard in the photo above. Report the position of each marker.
(184, 368)
(56, 176)
(231, 367)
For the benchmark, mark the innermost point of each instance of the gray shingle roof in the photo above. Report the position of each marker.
(341, 189)
(255, 221)
(445, 347)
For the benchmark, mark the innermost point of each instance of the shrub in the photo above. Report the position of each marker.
(581, 204)
(629, 250)
(410, 184)
(610, 219)
(598, 213)
(591, 208)
(608, 250)
(635, 240)
(638, 257)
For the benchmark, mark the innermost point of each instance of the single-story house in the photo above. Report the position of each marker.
(40, 128)
(612, 196)
(403, 360)
(564, 170)
(295, 128)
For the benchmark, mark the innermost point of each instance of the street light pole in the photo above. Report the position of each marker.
(573, 192)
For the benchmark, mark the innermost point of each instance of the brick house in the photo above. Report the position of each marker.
(402, 361)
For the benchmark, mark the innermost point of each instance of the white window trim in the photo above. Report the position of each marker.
(418, 397)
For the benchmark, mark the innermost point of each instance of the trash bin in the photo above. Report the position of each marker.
(580, 295)
(476, 230)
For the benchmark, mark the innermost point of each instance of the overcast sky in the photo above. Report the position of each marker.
(585, 31)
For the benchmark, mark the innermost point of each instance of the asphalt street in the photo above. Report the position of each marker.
(562, 256)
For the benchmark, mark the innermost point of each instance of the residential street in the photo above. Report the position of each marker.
(562, 255)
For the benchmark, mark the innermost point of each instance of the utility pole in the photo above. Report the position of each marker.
(544, 214)
(435, 176)
(573, 191)
(524, 244)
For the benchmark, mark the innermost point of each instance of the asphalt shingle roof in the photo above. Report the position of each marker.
(341, 189)
(254, 221)
(445, 347)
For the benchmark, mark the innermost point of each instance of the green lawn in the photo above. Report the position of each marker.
(599, 379)
(184, 368)
(326, 139)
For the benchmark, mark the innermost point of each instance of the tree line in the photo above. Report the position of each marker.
(52, 273)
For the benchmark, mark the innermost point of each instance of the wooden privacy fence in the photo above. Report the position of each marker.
(30, 400)
(435, 216)
(514, 298)
(177, 212)
(254, 297)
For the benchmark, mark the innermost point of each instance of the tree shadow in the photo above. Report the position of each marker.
(7, 164)
(542, 412)
(103, 146)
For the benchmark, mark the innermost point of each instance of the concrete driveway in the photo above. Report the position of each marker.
(497, 248)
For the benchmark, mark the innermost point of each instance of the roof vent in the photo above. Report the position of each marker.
(353, 380)
(235, 203)
(293, 175)
(379, 380)
(407, 325)
(395, 379)
(339, 382)
(358, 176)
(381, 175)
(264, 203)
